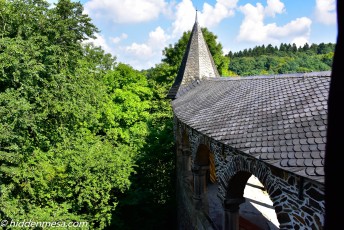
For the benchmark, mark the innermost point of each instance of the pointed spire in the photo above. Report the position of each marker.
(197, 63)
(196, 20)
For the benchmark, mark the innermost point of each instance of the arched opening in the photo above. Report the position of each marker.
(206, 186)
(186, 157)
(200, 169)
(258, 207)
(206, 160)
(248, 205)
(202, 156)
(185, 140)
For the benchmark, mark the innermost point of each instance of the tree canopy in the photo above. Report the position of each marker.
(72, 120)
(288, 58)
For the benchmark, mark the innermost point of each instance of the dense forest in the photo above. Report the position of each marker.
(84, 138)
(286, 58)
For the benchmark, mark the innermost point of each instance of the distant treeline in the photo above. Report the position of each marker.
(287, 58)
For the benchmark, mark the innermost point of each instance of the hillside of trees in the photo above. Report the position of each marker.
(287, 58)
(84, 138)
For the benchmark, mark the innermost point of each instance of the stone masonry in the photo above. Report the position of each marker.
(228, 129)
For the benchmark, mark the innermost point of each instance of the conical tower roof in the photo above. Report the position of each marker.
(196, 65)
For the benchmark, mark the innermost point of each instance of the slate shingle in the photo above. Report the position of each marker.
(282, 118)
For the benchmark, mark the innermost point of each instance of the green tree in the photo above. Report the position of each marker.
(150, 201)
(131, 98)
(68, 135)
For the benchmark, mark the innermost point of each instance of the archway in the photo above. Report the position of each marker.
(186, 158)
(206, 185)
(239, 170)
(186, 152)
(200, 169)
(258, 211)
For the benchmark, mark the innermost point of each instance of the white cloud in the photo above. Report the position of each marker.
(156, 41)
(119, 38)
(168, 10)
(158, 38)
(254, 30)
(140, 50)
(125, 11)
(296, 31)
(274, 7)
(208, 17)
(298, 27)
(184, 17)
(300, 41)
(100, 41)
(325, 11)
(145, 55)
(213, 15)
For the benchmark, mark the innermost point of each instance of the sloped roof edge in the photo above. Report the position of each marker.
(278, 119)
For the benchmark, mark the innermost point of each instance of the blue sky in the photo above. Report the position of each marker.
(136, 31)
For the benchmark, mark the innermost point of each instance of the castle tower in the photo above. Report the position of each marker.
(196, 65)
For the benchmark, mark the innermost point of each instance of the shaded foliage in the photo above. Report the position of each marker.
(150, 201)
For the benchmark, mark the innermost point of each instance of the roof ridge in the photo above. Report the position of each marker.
(275, 76)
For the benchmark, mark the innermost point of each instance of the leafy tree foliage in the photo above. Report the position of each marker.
(72, 120)
(150, 201)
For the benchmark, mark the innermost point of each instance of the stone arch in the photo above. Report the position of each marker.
(238, 170)
(205, 185)
(200, 168)
(185, 139)
(239, 167)
(237, 184)
(186, 155)
(205, 158)
(202, 155)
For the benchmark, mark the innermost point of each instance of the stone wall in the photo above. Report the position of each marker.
(298, 201)
(189, 217)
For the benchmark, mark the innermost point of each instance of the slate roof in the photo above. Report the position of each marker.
(281, 120)
(196, 65)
